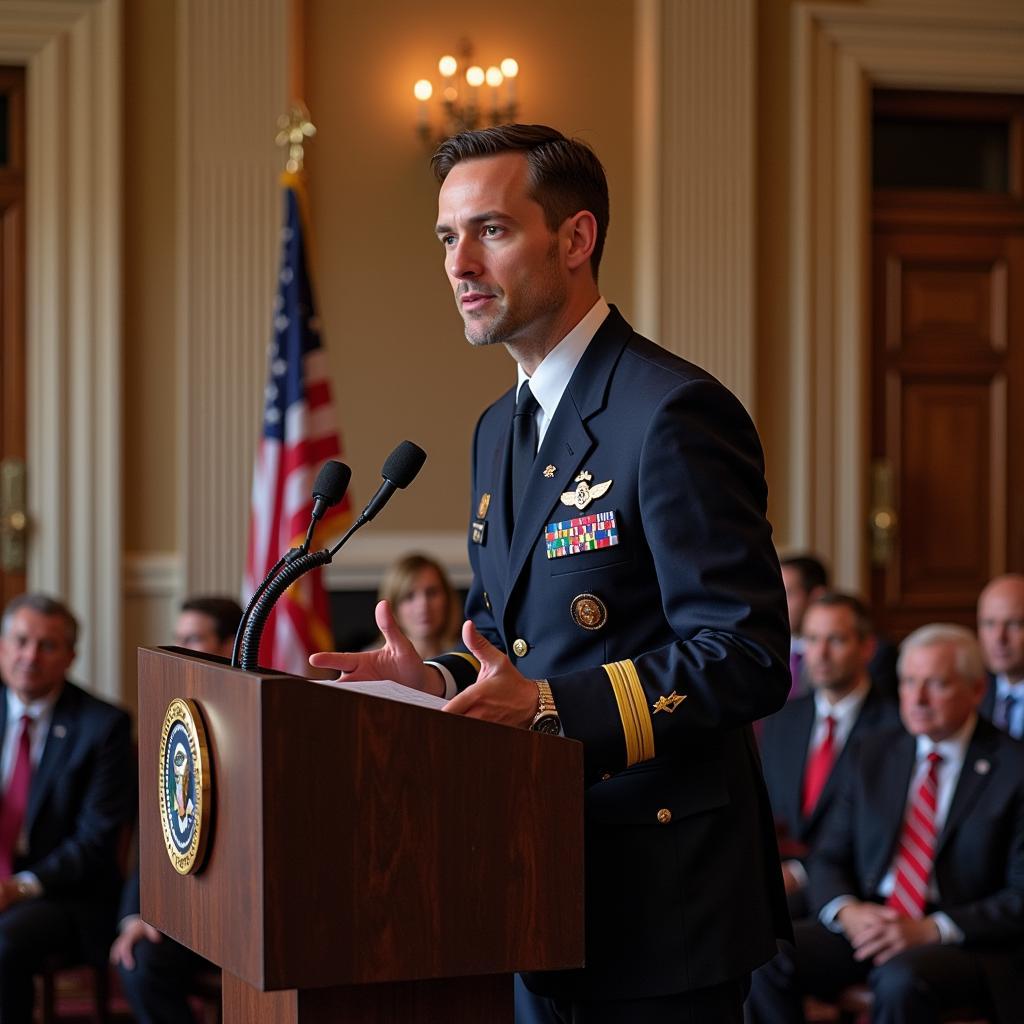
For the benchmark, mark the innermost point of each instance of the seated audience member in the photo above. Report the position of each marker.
(1001, 633)
(156, 971)
(67, 775)
(424, 604)
(804, 577)
(208, 624)
(918, 877)
(804, 746)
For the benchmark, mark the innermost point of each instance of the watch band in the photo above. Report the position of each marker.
(546, 719)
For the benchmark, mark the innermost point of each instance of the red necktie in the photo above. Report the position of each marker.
(819, 767)
(915, 854)
(15, 801)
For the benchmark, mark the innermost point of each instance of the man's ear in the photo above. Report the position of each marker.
(581, 232)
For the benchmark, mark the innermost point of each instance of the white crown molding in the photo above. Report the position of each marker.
(72, 54)
(839, 53)
(152, 574)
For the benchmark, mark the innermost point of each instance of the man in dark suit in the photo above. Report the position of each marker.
(1001, 634)
(804, 746)
(68, 784)
(156, 972)
(918, 879)
(625, 589)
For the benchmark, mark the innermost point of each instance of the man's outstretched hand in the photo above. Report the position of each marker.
(501, 692)
(396, 660)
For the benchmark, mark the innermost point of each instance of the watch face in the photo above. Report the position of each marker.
(549, 723)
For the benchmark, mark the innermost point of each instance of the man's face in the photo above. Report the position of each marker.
(35, 654)
(796, 597)
(198, 632)
(935, 699)
(504, 264)
(835, 654)
(1001, 627)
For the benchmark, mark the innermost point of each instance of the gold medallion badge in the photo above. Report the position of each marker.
(186, 804)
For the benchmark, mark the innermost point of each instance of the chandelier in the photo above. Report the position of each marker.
(467, 96)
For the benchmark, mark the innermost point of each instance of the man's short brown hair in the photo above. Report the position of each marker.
(565, 174)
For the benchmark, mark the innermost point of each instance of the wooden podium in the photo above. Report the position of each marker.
(369, 860)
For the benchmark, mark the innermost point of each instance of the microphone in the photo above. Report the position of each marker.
(329, 488)
(399, 470)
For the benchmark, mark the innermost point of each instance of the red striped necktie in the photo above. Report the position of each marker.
(915, 855)
(15, 799)
(819, 767)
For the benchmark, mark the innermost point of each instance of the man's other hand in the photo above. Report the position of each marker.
(396, 660)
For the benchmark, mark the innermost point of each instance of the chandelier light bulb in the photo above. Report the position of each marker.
(447, 65)
(423, 90)
(494, 77)
(509, 67)
(475, 76)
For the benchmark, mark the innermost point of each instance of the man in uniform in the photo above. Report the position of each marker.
(625, 589)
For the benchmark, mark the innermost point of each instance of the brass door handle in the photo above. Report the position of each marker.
(883, 520)
(13, 518)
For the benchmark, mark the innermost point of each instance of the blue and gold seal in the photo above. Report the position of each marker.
(185, 790)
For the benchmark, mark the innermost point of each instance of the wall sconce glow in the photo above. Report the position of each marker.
(472, 99)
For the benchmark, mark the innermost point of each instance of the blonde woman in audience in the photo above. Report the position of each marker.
(424, 604)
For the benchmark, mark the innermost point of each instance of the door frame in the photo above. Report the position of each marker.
(72, 53)
(839, 53)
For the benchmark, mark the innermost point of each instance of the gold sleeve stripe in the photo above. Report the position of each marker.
(636, 722)
(469, 658)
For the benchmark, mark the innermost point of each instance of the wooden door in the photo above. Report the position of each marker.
(948, 374)
(13, 518)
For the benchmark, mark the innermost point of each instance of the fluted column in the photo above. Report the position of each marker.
(696, 228)
(232, 80)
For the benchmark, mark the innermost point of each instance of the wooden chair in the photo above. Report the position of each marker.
(853, 1006)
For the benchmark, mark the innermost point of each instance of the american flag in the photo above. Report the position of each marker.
(299, 434)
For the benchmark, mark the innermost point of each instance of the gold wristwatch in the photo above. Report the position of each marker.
(546, 719)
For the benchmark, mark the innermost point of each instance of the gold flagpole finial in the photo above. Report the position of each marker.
(293, 130)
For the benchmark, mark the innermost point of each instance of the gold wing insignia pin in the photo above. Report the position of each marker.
(669, 703)
(584, 494)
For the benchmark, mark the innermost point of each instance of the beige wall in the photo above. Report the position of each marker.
(402, 366)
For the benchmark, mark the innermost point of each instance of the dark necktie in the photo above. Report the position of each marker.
(915, 854)
(524, 443)
(15, 800)
(1004, 719)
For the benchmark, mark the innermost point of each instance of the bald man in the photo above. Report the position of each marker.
(1001, 634)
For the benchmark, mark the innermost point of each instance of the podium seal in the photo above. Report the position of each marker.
(185, 797)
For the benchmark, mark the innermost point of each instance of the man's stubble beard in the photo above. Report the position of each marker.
(509, 326)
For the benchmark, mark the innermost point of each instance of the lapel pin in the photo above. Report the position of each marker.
(584, 493)
(982, 767)
(59, 732)
(549, 472)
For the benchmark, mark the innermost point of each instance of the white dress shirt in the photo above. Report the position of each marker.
(1004, 689)
(41, 713)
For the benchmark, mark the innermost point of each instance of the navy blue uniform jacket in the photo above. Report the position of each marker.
(683, 886)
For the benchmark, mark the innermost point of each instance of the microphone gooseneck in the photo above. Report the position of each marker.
(328, 489)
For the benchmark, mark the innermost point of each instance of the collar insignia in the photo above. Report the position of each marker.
(669, 703)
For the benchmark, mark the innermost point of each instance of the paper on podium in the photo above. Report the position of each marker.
(390, 691)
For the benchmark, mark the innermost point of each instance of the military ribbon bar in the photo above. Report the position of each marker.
(587, 533)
